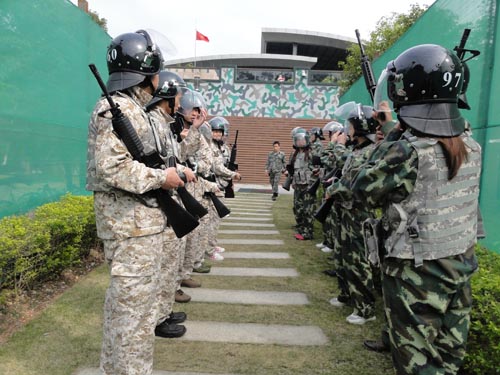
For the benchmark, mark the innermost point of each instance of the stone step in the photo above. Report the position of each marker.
(254, 255)
(250, 205)
(252, 272)
(247, 218)
(255, 225)
(240, 241)
(247, 297)
(249, 213)
(252, 208)
(96, 371)
(248, 231)
(251, 333)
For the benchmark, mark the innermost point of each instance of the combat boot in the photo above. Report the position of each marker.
(190, 283)
(182, 297)
(169, 330)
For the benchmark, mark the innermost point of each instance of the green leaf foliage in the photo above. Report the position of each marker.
(388, 30)
(483, 345)
(40, 245)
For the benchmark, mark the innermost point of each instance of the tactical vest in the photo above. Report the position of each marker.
(439, 218)
(302, 173)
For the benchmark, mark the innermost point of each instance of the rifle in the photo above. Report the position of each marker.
(177, 126)
(316, 161)
(461, 50)
(194, 207)
(286, 185)
(233, 166)
(182, 221)
(368, 75)
(220, 207)
(324, 210)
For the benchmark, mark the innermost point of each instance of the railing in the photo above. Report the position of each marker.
(245, 75)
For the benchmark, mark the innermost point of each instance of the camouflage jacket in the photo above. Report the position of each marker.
(222, 173)
(276, 162)
(117, 180)
(317, 148)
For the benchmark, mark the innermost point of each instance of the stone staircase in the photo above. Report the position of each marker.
(255, 140)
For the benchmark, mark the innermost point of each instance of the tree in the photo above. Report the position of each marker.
(387, 31)
(103, 22)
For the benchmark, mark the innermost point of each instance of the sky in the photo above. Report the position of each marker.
(234, 27)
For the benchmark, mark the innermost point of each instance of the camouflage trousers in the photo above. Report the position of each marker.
(171, 259)
(331, 229)
(304, 206)
(131, 305)
(428, 312)
(354, 270)
(203, 234)
(213, 226)
(274, 180)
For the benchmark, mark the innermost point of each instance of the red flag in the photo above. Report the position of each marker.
(200, 36)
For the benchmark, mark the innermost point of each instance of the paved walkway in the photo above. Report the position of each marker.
(248, 210)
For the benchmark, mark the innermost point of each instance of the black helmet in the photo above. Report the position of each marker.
(361, 119)
(318, 133)
(131, 57)
(170, 84)
(218, 123)
(424, 83)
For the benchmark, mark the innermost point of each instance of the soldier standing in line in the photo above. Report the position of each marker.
(427, 184)
(303, 201)
(222, 177)
(275, 167)
(130, 223)
(163, 105)
(353, 269)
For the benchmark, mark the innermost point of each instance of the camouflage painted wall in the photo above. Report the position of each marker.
(276, 100)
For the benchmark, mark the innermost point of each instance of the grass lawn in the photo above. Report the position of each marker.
(67, 335)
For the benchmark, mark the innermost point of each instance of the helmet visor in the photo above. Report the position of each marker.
(162, 43)
(382, 104)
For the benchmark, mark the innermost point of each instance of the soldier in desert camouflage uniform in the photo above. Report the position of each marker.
(222, 177)
(275, 166)
(131, 225)
(427, 183)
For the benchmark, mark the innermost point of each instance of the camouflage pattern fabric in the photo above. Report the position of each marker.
(427, 307)
(304, 208)
(428, 311)
(275, 166)
(170, 261)
(354, 269)
(131, 305)
(317, 148)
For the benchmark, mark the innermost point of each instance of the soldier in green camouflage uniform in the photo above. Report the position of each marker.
(275, 166)
(427, 183)
(131, 225)
(354, 270)
(303, 202)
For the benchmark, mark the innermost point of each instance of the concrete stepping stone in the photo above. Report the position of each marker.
(249, 231)
(250, 213)
(96, 371)
(252, 272)
(254, 225)
(249, 218)
(250, 333)
(254, 255)
(247, 297)
(240, 241)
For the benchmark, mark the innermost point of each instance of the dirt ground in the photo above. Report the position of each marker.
(26, 305)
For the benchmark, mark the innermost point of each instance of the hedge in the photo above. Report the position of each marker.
(483, 345)
(40, 245)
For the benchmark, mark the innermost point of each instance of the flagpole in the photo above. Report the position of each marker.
(195, 49)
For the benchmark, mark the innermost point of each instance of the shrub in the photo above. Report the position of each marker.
(483, 345)
(40, 245)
